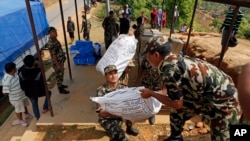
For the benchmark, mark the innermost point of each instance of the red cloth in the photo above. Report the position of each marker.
(154, 16)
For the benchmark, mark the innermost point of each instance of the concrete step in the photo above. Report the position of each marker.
(16, 138)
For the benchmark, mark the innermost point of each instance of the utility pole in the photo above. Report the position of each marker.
(107, 7)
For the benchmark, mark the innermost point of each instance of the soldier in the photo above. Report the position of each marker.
(109, 26)
(111, 123)
(58, 58)
(85, 28)
(149, 77)
(194, 87)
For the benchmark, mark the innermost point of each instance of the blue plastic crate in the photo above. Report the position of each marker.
(90, 60)
(97, 50)
(83, 44)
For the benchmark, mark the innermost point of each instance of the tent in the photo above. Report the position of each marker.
(16, 35)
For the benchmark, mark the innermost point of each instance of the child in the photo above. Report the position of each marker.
(17, 98)
(31, 81)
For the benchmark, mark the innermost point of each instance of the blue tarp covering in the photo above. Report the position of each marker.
(15, 30)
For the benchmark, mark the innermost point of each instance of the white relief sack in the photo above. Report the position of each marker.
(119, 53)
(129, 104)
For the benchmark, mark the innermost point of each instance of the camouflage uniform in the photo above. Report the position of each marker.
(55, 48)
(151, 76)
(205, 90)
(138, 33)
(86, 31)
(109, 25)
(112, 126)
(124, 79)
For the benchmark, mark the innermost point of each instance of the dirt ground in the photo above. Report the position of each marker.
(202, 45)
(147, 133)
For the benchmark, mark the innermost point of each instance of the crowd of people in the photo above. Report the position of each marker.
(189, 86)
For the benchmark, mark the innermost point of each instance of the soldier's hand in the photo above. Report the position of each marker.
(104, 114)
(146, 93)
(59, 68)
(220, 30)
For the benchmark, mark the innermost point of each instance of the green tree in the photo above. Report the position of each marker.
(185, 8)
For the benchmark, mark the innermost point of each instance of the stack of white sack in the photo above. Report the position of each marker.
(128, 104)
(119, 53)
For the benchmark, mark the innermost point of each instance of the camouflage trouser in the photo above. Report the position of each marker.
(86, 34)
(219, 118)
(107, 39)
(59, 75)
(113, 129)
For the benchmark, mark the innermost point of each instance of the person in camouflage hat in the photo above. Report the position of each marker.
(58, 58)
(85, 28)
(109, 26)
(194, 87)
(149, 77)
(111, 123)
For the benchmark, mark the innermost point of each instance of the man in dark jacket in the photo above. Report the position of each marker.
(32, 84)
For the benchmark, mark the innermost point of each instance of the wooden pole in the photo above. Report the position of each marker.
(65, 40)
(191, 26)
(39, 55)
(77, 22)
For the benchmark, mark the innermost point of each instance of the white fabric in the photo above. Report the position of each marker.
(120, 13)
(129, 104)
(119, 53)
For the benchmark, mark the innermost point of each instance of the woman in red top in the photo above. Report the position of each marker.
(154, 18)
(164, 18)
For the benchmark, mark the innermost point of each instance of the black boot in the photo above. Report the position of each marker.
(132, 131)
(64, 86)
(151, 120)
(174, 138)
(63, 91)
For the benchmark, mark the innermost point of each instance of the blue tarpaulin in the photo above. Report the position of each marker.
(15, 30)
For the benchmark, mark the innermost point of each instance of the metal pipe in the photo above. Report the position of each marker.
(107, 7)
(65, 40)
(224, 48)
(191, 26)
(77, 22)
(39, 55)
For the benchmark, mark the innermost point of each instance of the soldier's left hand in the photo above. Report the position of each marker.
(146, 93)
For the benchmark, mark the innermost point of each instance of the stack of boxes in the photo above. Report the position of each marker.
(84, 53)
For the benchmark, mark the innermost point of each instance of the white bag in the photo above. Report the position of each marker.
(129, 104)
(119, 53)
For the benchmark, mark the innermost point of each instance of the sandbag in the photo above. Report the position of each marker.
(129, 104)
(119, 53)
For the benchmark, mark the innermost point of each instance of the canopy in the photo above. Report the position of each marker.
(16, 35)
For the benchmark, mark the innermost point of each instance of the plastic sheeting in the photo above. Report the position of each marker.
(15, 30)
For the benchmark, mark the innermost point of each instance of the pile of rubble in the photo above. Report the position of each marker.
(193, 129)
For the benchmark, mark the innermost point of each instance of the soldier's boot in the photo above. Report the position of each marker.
(151, 120)
(132, 131)
(62, 90)
(174, 138)
(64, 86)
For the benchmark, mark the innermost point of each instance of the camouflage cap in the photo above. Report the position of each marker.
(110, 68)
(158, 44)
